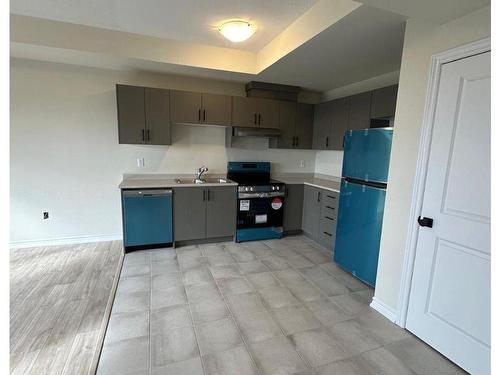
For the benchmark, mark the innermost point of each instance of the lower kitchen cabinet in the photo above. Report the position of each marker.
(204, 212)
(292, 213)
(319, 219)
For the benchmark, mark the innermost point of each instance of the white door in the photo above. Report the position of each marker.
(450, 292)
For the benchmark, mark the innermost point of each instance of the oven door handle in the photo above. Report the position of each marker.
(261, 195)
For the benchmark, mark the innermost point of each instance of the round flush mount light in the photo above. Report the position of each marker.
(237, 31)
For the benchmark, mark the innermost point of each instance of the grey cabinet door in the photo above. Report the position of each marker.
(221, 211)
(287, 118)
(157, 110)
(322, 126)
(304, 126)
(244, 111)
(340, 122)
(189, 213)
(131, 118)
(268, 113)
(359, 110)
(293, 209)
(384, 102)
(312, 211)
(216, 109)
(185, 107)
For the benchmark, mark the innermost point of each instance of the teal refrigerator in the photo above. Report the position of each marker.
(362, 197)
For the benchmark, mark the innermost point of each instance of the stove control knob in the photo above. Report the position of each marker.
(246, 188)
(251, 188)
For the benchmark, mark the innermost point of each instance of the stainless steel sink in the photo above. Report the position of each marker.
(205, 181)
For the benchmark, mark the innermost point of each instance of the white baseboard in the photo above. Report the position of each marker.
(65, 240)
(385, 310)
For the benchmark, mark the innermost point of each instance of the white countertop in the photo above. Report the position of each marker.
(312, 181)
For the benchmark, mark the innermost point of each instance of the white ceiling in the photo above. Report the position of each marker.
(366, 43)
(183, 20)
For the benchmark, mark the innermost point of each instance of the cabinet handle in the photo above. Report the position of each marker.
(143, 136)
(148, 132)
(293, 141)
(327, 140)
(331, 208)
(319, 196)
(199, 115)
(255, 118)
(332, 196)
(208, 194)
(204, 116)
(343, 141)
(204, 193)
(328, 234)
(259, 118)
(297, 141)
(329, 218)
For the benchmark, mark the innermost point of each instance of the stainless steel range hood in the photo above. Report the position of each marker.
(255, 132)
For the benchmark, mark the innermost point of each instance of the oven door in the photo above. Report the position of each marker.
(260, 210)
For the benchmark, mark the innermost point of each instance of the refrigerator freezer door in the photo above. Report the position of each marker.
(359, 225)
(366, 154)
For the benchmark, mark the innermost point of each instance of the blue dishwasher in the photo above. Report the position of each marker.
(147, 218)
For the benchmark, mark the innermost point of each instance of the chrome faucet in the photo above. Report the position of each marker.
(199, 175)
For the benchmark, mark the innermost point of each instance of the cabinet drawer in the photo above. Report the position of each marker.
(327, 240)
(330, 199)
(327, 227)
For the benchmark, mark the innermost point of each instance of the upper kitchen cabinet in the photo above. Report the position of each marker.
(384, 102)
(340, 122)
(255, 112)
(322, 128)
(304, 126)
(359, 110)
(197, 108)
(287, 120)
(143, 115)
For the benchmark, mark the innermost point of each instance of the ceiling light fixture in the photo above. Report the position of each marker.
(237, 31)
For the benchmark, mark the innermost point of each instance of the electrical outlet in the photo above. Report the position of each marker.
(302, 164)
(45, 215)
(141, 163)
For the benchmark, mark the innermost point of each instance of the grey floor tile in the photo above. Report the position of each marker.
(134, 284)
(318, 347)
(263, 280)
(221, 260)
(170, 317)
(295, 319)
(277, 296)
(168, 297)
(125, 357)
(252, 267)
(124, 326)
(140, 257)
(345, 367)
(332, 268)
(350, 282)
(234, 286)
(381, 361)
(231, 362)
(225, 272)
(305, 291)
(191, 366)
(212, 249)
(161, 255)
(160, 268)
(131, 302)
(422, 359)
(218, 336)
(202, 292)
(324, 281)
(244, 303)
(381, 328)
(289, 276)
(130, 269)
(199, 275)
(166, 281)
(277, 356)
(258, 326)
(299, 261)
(317, 256)
(187, 262)
(241, 255)
(354, 338)
(173, 345)
(190, 250)
(276, 263)
(327, 311)
(351, 303)
(209, 310)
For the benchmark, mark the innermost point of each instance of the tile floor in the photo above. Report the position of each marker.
(270, 307)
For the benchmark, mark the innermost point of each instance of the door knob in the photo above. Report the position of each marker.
(425, 221)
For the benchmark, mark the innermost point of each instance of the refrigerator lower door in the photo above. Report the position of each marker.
(359, 226)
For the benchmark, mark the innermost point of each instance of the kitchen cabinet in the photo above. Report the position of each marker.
(304, 126)
(340, 123)
(287, 120)
(143, 115)
(200, 108)
(296, 125)
(255, 112)
(293, 209)
(319, 220)
(384, 102)
(322, 127)
(359, 110)
(204, 212)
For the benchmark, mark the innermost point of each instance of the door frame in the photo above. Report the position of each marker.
(437, 61)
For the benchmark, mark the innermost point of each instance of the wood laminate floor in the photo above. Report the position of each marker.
(60, 300)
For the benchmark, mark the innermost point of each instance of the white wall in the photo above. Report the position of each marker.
(422, 40)
(65, 156)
